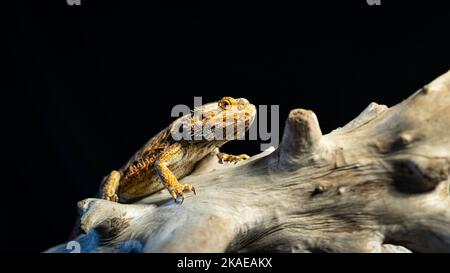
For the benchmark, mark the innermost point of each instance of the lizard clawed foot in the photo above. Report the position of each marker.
(179, 191)
(113, 198)
(232, 158)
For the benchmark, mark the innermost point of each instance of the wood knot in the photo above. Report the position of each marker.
(112, 227)
(342, 190)
(320, 188)
(403, 140)
(302, 132)
(416, 175)
(425, 89)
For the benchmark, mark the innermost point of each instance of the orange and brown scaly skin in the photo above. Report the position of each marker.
(164, 160)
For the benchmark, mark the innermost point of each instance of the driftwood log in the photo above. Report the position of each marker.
(378, 184)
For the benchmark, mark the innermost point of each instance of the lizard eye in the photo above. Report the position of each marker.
(224, 103)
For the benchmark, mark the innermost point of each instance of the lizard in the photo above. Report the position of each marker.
(164, 160)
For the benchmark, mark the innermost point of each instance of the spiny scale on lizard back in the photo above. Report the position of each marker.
(147, 155)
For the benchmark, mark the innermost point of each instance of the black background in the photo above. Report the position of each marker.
(90, 84)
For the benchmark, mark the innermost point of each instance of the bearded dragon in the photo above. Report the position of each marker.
(163, 160)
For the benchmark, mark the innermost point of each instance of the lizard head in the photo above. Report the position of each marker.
(221, 121)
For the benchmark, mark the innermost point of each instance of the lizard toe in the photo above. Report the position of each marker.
(189, 188)
(178, 193)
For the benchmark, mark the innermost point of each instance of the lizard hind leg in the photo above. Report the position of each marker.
(172, 154)
(109, 187)
(108, 191)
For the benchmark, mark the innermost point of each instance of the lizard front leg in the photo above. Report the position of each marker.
(224, 157)
(172, 154)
